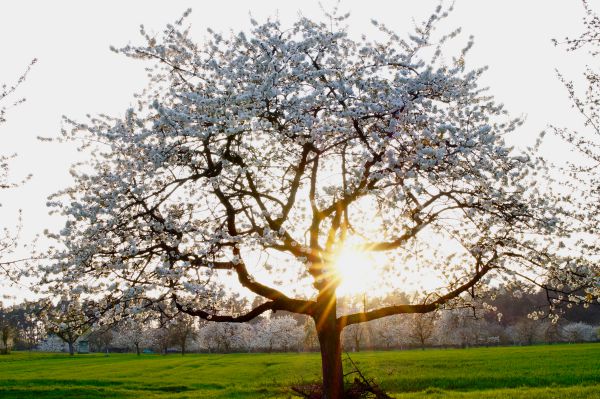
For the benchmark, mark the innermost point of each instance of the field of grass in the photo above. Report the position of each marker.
(556, 371)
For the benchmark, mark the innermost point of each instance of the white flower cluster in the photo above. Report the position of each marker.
(272, 146)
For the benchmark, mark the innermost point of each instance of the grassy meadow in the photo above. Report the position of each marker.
(554, 371)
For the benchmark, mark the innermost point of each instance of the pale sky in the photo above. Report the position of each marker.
(77, 74)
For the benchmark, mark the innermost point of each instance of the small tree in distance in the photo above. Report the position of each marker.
(134, 333)
(101, 339)
(7, 329)
(68, 320)
(276, 150)
(182, 331)
(421, 328)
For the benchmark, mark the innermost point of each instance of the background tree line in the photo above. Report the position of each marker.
(506, 321)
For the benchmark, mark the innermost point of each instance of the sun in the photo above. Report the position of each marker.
(356, 271)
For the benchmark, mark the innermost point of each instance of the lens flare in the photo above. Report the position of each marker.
(356, 271)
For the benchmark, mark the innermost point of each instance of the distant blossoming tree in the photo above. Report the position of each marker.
(68, 320)
(224, 337)
(277, 333)
(422, 327)
(579, 332)
(7, 329)
(274, 150)
(182, 330)
(134, 333)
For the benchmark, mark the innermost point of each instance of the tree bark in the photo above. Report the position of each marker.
(137, 349)
(329, 333)
(71, 348)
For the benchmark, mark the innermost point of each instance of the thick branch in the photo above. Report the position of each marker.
(361, 317)
(290, 305)
(247, 281)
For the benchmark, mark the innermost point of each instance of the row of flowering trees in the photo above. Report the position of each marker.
(285, 334)
(64, 327)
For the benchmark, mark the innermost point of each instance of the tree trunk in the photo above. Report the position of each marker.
(182, 348)
(137, 349)
(71, 348)
(331, 349)
(7, 333)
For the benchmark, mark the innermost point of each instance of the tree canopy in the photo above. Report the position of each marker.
(586, 141)
(274, 150)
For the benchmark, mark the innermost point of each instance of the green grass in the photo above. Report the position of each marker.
(558, 371)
